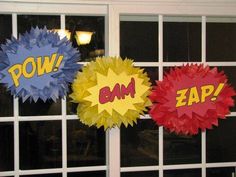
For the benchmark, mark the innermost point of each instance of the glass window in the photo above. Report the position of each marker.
(6, 101)
(95, 25)
(39, 108)
(7, 147)
(24, 23)
(139, 39)
(220, 39)
(140, 174)
(85, 145)
(221, 172)
(71, 108)
(139, 144)
(40, 145)
(152, 74)
(220, 142)
(46, 175)
(183, 173)
(95, 48)
(5, 27)
(182, 39)
(88, 174)
(179, 149)
(230, 72)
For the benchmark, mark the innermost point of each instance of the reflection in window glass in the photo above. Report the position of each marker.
(40, 108)
(220, 172)
(88, 174)
(221, 142)
(40, 145)
(47, 175)
(182, 41)
(139, 144)
(139, 40)
(230, 72)
(179, 149)
(96, 25)
(6, 101)
(141, 174)
(6, 147)
(85, 145)
(26, 22)
(220, 40)
(183, 173)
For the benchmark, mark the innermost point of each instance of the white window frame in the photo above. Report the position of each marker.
(112, 10)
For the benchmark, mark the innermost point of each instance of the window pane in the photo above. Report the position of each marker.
(6, 147)
(220, 39)
(139, 144)
(5, 27)
(88, 174)
(40, 145)
(71, 108)
(6, 101)
(221, 142)
(139, 40)
(179, 149)
(230, 72)
(182, 40)
(91, 24)
(26, 22)
(85, 145)
(47, 175)
(141, 174)
(40, 108)
(183, 173)
(152, 74)
(220, 172)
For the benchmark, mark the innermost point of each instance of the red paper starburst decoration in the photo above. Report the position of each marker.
(190, 98)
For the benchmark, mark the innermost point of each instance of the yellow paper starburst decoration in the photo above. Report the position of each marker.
(111, 91)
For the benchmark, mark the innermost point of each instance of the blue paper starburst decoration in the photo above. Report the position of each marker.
(39, 65)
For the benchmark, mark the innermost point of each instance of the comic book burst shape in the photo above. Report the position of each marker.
(110, 92)
(35, 49)
(190, 98)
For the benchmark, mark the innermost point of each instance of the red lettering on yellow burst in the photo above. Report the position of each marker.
(119, 91)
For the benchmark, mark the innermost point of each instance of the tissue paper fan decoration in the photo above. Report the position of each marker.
(38, 65)
(110, 92)
(190, 98)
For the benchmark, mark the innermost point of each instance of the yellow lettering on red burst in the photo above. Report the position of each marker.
(190, 96)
